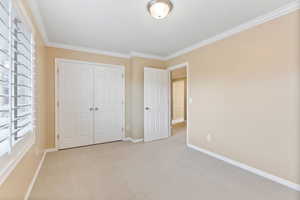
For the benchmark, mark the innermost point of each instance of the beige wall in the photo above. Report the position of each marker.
(245, 92)
(137, 93)
(16, 185)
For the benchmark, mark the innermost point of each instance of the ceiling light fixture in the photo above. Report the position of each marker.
(159, 9)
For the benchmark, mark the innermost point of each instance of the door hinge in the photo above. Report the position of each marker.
(57, 104)
(57, 70)
(122, 75)
(58, 137)
(122, 129)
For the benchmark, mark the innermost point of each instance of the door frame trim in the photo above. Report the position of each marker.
(188, 92)
(61, 60)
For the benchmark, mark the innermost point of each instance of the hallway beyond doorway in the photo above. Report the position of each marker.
(179, 129)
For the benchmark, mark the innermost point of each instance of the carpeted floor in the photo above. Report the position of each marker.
(160, 170)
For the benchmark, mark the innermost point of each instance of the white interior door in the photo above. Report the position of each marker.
(156, 104)
(109, 103)
(75, 82)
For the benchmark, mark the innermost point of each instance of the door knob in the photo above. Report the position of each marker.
(147, 108)
(96, 108)
(91, 109)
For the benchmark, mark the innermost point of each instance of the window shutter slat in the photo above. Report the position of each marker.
(16, 93)
(21, 81)
(5, 117)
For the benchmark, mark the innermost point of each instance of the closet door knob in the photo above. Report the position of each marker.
(96, 108)
(91, 109)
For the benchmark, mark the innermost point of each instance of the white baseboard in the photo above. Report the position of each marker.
(133, 140)
(37, 171)
(250, 169)
(177, 121)
(51, 150)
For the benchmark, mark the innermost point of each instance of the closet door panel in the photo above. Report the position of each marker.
(75, 100)
(108, 101)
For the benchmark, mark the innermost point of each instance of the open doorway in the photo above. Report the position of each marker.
(179, 101)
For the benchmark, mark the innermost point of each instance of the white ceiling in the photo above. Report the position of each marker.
(124, 26)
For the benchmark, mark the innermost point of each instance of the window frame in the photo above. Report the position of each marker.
(18, 150)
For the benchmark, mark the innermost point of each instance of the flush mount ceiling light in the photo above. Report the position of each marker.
(159, 9)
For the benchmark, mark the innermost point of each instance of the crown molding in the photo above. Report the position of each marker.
(41, 26)
(87, 50)
(38, 20)
(101, 52)
(284, 10)
(149, 56)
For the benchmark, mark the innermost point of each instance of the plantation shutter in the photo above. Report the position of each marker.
(16, 91)
(5, 118)
(21, 79)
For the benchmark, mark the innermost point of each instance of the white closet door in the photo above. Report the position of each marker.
(75, 103)
(109, 98)
(156, 104)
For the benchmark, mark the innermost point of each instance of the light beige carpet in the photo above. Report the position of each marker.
(161, 170)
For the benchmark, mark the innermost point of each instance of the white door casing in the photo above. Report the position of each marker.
(156, 104)
(75, 104)
(108, 95)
